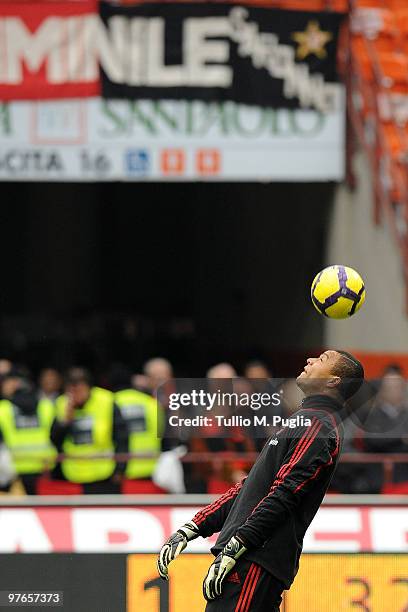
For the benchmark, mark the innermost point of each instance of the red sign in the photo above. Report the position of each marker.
(208, 161)
(173, 161)
(51, 50)
(145, 528)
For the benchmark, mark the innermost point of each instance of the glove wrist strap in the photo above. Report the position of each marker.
(190, 531)
(234, 548)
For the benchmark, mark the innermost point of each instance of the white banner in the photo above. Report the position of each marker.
(99, 140)
(352, 529)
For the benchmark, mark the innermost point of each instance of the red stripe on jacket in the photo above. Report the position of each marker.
(301, 448)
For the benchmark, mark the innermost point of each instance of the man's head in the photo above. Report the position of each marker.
(50, 381)
(256, 370)
(222, 370)
(119, 377)
(393, 389)
(78, 385)
(16, 379)
(158, 371)
(5, 367)
(335, 373)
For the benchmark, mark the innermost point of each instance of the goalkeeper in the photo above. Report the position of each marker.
(263, 519)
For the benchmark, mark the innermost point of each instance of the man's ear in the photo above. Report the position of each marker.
(334, 381)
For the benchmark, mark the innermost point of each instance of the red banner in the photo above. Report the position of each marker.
(50, 49)
(145, 528)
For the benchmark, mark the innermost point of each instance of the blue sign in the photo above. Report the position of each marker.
(137, 161)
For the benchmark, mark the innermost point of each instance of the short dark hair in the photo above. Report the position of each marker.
(351, 372)
(393, 368)
(75, 376)
(119, 377)
(255, 363)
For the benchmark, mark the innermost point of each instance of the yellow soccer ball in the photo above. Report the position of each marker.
(338, 292)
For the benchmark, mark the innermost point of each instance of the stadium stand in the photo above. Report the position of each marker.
(376, 71)
(211, 464)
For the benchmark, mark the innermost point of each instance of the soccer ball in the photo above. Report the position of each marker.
(338, 292)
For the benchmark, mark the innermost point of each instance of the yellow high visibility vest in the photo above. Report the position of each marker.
(28, 436)
(144, 419)
(91, 434)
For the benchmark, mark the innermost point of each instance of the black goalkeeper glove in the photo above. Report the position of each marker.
(174, 546)
(221, 567)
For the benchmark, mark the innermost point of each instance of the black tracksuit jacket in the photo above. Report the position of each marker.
(271, 509)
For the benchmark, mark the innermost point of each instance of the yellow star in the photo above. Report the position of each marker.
(312, 40)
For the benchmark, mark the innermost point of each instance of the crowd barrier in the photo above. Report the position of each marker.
(386, 460)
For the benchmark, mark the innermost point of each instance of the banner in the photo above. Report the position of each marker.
(105, 140)
(130, 583)
(194, 51)
(49, 49)
(324, 582)
(208, 51)
(145, 528)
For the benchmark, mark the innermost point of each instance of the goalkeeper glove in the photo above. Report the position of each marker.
(174, 546)
(221, 566)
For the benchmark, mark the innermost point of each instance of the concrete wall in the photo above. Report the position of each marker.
(354, 240)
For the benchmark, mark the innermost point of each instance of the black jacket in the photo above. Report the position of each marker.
(272, 508)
